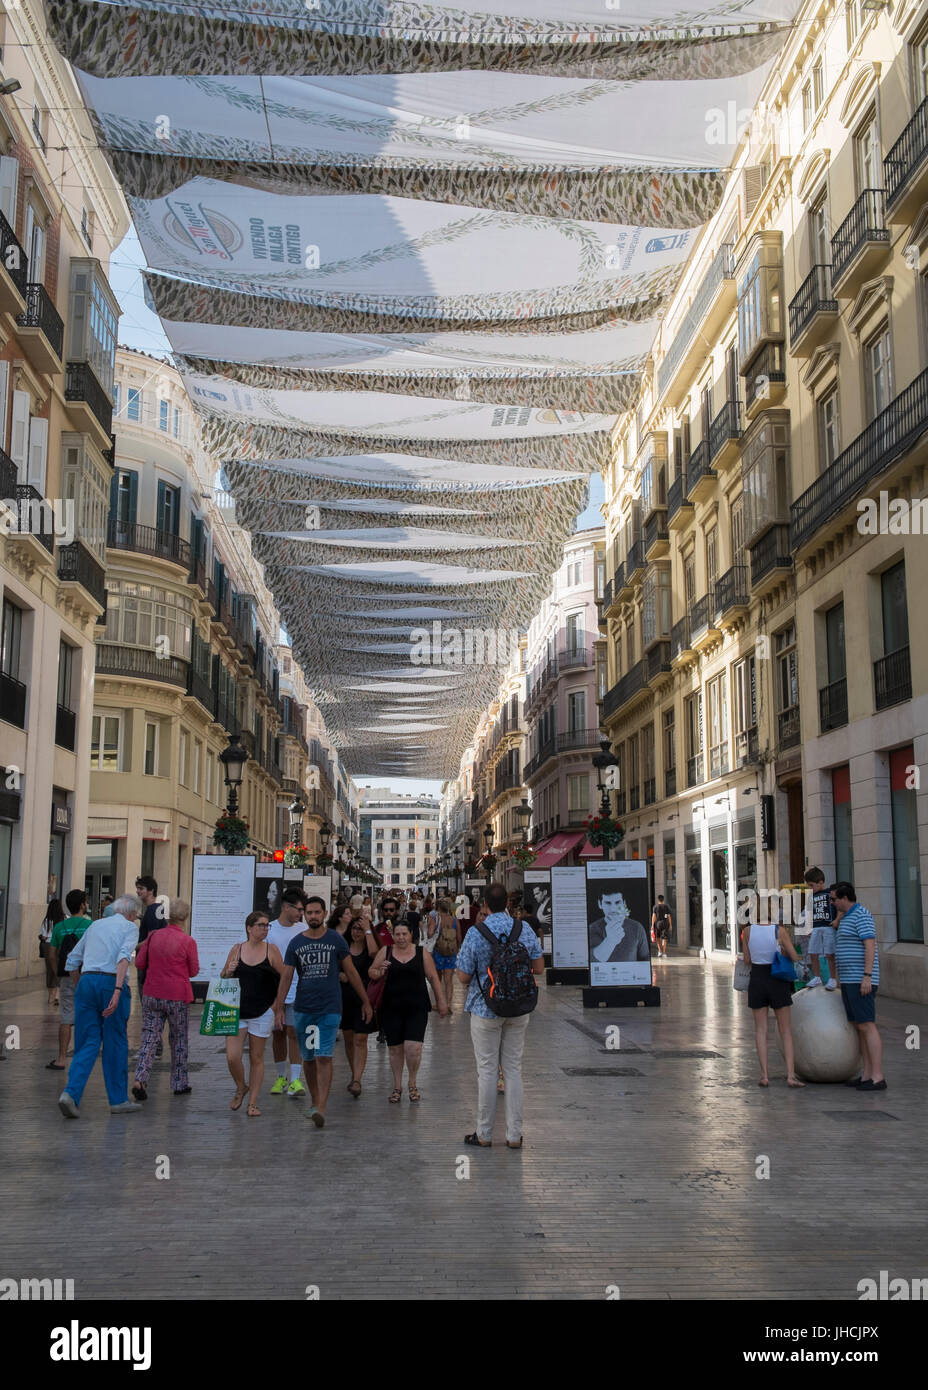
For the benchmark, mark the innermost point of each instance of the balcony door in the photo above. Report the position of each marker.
(868, 160)
(124, 494)
(576, 711)
(895, 609)
(168, 509)
(575, 632)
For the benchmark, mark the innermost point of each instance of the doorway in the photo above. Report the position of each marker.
(100, 873)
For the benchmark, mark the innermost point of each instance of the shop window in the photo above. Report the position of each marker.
(844, 831)
(903, 776)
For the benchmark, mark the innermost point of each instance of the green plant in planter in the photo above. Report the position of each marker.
(231, 833)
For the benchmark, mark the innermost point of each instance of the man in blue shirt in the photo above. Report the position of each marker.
(317, 955)
(98, 965)
(859, 972)
(498, 1042)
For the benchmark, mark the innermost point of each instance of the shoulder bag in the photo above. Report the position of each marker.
(376, 988)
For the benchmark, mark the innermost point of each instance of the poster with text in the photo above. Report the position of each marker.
(568, 918)
(536, 900)
(223, 896)
(319, 886)
(617, 913)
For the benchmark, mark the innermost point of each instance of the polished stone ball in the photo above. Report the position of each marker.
(826, 1044)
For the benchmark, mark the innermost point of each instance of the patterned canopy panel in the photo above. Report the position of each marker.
(411, 259)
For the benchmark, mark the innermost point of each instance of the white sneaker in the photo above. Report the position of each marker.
(832, 984)
(813, 982)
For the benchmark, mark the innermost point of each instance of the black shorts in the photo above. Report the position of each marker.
(403, 1025)
(766, 991)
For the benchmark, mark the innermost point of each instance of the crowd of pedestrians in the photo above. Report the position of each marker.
(380, 970)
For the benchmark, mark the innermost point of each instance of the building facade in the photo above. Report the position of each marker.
(398, 835)
(61, 215)
(763, 699)
(561, 711)
(187, 656)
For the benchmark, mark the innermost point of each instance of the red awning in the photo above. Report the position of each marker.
(591, 851)
(555, 849)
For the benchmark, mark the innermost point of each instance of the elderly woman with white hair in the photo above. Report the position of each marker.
(98, 965)
(168, 958)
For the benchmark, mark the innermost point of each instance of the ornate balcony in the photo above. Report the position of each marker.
(89, 404)
(812, 311)
(892, 679)
(860, 244)
(905, 168)
(138, 663)
(680, 646)
(8, 477)
(41, 330)
(700, 476)
(634, 562)
(626, 690)
(885, 440)
(201, 690)
(148, 540)
(788, 731)
(712, 301)
(656, 536)
(725, 434)
(76, 565)
(832, 705)
(765, 383)
(574, 656)
(731, 594)
(658, 668)
(679, 508)
(35, 518)
(770, 559)
(14, 270)
(703, 631)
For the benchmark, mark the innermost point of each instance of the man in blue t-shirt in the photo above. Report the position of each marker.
(317, 955)
(859, 965)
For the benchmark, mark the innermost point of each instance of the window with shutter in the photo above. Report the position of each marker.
(19, 434)
(38, 453)
(4, 400)
(9, 187)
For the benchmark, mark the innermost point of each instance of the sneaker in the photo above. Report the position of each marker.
(279, 1086)
(813, 982)
(124, 1107)
(832, 984)
(296, 1088)
(68, 1106)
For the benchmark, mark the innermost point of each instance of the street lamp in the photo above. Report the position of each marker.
(233, 760)
(488, 845)
(458, 875)
(523, 815)
(296, 810)
(340, 847)
(602, 761)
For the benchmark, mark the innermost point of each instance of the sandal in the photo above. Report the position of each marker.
(476, 1142)
(354, 1088)
(54, 1066)
(501, 1086)
(253, 1110)
(236, 1102)
(414, 1095)
(513, 1146)
(139, 1091)
(396, 1097)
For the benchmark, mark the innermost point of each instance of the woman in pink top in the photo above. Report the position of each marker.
(169, 960)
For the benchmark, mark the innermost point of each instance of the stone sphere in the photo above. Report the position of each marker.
(826, 1044)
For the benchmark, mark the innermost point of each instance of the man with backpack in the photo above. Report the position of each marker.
(661, 925)
(64, 938)
(498, 961)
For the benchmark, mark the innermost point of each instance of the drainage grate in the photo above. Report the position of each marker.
(861, 1115)
(601, 1071)
(687, 1052)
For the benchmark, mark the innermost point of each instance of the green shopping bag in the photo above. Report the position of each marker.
(220, 1012)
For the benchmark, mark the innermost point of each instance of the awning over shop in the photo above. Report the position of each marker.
(591, 851)
(557, 848)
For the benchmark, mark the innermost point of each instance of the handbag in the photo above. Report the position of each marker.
(220, 1017)
(781, 967)
(376, 988)
(742, 974)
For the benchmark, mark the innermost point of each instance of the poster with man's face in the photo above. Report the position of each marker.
(617, 910)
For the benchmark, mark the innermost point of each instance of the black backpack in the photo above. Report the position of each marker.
(512, 990)
(66, 946)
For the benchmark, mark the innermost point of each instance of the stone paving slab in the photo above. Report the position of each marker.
(645, 1181)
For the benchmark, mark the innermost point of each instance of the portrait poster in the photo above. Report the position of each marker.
(269, 889)
(536, 899)
(617, 916)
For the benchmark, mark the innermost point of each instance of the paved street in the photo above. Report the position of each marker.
(638, 1170)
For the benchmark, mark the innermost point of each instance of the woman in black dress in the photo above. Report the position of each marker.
(404, 1008)
(363, 947)
(258, 968)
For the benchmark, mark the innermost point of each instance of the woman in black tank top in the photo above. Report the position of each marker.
(404, 1008)
(258, 968)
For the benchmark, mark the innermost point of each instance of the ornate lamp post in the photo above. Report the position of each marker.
(602, 761)
(325, 835)
(488, 846)
(458, 874)
(233, 760)
(340, 846)
(296, 810)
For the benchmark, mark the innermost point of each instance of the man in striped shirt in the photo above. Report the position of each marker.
(859, 972)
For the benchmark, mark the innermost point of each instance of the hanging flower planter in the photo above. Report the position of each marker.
(604, 831)
(296, 856)
(324, 860)
(231, 833)
(524, 856)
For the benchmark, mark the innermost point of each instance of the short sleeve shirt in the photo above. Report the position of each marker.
(854, 929)
(474, 959)
(316, 962)
(71, 926)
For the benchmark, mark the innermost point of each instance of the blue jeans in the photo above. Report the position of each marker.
(93, 994)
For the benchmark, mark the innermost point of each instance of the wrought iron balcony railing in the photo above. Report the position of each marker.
(892, 679)
(832, 705)
(12, 257)
(65, 727)
(41, 313)
(813, 297)
(77, 565)
(907, 155)
(12, 700)
(148, 540)
(81, 384)
(114, 659)
(866, 222)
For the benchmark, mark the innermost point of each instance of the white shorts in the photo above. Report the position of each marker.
(259, 1027)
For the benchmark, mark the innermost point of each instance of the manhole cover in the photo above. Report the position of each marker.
(861, 1115)
(601, 1071)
